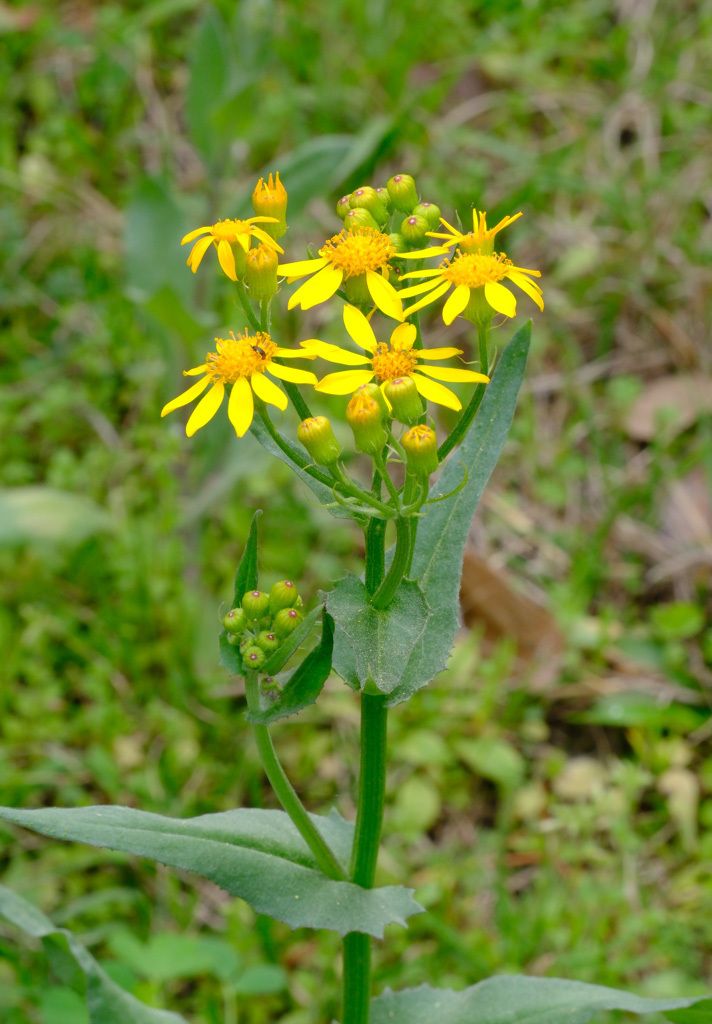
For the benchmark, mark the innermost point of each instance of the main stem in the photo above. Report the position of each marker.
(285, 792)
(367, 838)
(463, 424)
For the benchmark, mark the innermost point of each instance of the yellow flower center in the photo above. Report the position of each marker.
(240, 357)
(228, 230)
(358, 250)
(388, 364)
(475, 269)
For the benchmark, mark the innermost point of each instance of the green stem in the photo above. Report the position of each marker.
(349, 487)
(264, 316)
(399, 566)
(249, 312)
(463, 424)
(390, 486)
(285, 793)
(291, 453)
(375, 535)
(367, 838)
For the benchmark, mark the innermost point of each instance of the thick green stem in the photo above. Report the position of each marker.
(367, 838)
(349, 487)
(285, 793)
(375, 536)
(399, 566)
(463, 424)
(249, 312)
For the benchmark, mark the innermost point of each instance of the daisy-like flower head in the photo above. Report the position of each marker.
(389, 361)
(475, 273)
(242, 362)
(225, 234)
(358, 257)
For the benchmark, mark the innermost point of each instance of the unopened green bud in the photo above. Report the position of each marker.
(366, 420)
(261, 272)
(414, 229)
(359, 218)
(235, 621)
(343, 206)
(267, 642)
(282, 595)
(234, 639)
(398, 241)
(356, 289)
(373, 391)
(403, 193)
(270, 688)
(316, 435)
(385, 198)
(431, 212)
(270, 200)
(404, 398)
(253, 656)
(366, 198)
(255, 604)
(421, 448)
(286, 621)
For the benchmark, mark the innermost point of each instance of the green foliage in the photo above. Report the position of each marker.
(513, 1000)
(256, 855)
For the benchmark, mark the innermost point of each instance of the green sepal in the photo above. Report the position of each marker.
(513, 999)
(306, 682)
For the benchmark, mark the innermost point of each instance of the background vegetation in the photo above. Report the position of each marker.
(553, 811)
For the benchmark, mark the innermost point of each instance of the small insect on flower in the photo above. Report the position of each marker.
(241, 362)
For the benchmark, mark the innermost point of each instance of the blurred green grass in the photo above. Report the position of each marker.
(585, 849)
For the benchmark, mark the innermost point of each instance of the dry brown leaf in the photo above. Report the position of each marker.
(677, 401)
(687, 515)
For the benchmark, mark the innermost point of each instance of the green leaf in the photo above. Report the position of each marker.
(106, 1001)
(292, 643)
(261, 980)
(207, 89)
(380, 642)
(699, 1014)
(31, 515)
(323, 493)
(254, 854)
(245, 579)
(440, 543)
(494, 759)
(513, 1000)
(154, 226)
(306, 682)
(170, 955)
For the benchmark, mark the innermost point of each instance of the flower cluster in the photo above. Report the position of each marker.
(261, 623)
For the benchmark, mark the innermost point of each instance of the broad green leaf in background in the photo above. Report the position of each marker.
(256, 855)
(106, 1001)
(153, 229)
(440, 544)
(380, 642)
(170, 955)
(306, 682)
(207, 89)
(245, 579)
(32, 515)
(515, 1000)
(493, 758)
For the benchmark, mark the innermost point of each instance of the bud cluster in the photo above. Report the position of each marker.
(373, 207)
(262, 622)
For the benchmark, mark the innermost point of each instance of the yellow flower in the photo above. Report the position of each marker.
(225, 234)
(241, 362)
(474, 266)
(360, 258)
(388, 362)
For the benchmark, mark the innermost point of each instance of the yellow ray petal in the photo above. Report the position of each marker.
(527, 286)
(500, 298)
(194, 234)
(187, 396)
(430, 297)
(384, 295)
(267, 391)
(334, 354)
(419, 289)
(241, 406)
(294, 270)
(292, 374)
(227, 259)
(359, 329)
(454, 375)
(436, 392)
(433, 272)
(206, 408)
(456, 303)
(317, 289)
(292, 353)
(195, 371)
(438, 353)
(198, 251)
(267, 239)
(344, 382)
(423, 254)
(244, 241)
(403, 337)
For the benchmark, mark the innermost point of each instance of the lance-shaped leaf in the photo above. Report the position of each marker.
(254, 854)
(281, 656)
(514, 1000)
(440, 543)
(107, 1002)
(380, 642)
(245, 579)
(306, 682)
